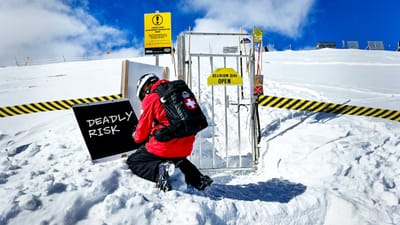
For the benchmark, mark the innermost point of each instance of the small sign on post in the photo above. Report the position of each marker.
(107, 128)
(224, 76)
(230, 49)
(258, 35)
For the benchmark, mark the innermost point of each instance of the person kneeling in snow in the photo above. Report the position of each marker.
(155, 160)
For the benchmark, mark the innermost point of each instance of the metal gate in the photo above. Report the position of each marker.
(230, 141)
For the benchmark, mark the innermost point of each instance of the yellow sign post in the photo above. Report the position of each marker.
(258, 35)
(224, 76)
(157, 33)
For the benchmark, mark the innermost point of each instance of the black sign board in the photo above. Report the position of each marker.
(157, 51)
(107, 127)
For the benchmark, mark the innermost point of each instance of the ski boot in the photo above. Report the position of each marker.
(205, 181)
(165, 170)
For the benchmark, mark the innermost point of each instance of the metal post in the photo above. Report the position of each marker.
(157, 60)
(252, 102)
(239, 97)
(181, 57)
(226, 99)
(213, 116)
(199, 98)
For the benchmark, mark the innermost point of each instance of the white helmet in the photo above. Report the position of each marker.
(143, 81)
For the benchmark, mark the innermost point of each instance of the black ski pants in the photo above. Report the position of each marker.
(145, 165)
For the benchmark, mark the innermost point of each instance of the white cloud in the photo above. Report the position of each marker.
(50, 29)
(53, 29)
(284, 16)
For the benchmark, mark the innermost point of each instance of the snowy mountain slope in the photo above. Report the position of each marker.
(314, 168)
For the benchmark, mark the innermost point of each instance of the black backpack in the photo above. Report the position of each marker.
(183, 111)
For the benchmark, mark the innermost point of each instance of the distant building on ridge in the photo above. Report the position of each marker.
(326, 45)
(375, 45)
(353, 45)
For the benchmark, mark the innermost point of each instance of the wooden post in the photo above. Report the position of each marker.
(124, 78)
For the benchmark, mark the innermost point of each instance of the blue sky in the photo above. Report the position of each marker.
(360, 20)
(75, 28)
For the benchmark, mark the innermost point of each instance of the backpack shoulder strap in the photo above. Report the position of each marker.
(164, 90)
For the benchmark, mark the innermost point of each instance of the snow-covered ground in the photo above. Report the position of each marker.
(314, 168)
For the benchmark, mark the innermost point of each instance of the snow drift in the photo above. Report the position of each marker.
(314, 169)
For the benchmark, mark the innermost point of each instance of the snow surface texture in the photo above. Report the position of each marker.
(314, 168)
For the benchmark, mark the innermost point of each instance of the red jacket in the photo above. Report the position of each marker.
(152, 110)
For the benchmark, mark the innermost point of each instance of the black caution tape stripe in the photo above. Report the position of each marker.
(51, 105)
(315, 106)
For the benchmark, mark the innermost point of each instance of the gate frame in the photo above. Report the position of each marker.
(184, 61)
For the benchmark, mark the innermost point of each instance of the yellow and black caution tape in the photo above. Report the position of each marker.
(315, 106)
(51, 105)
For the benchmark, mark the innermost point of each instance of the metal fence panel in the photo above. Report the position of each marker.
(227, 143)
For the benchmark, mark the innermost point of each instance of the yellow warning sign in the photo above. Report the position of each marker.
(157, 33)
(258, 33)
(224, 76)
